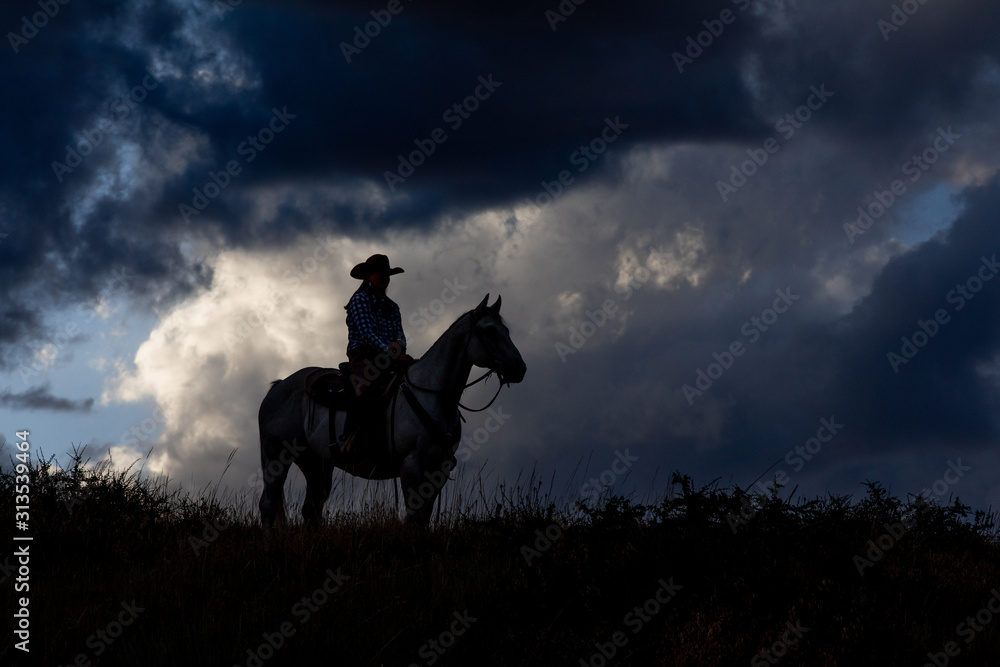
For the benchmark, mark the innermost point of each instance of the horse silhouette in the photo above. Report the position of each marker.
(421, 422)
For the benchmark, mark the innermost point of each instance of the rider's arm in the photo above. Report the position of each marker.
(400, 336)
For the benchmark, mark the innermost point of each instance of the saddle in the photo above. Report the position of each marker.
(330, 387)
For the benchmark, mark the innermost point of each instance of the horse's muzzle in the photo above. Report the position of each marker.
(513, 373)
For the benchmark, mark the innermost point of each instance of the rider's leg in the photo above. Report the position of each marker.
(359, 408)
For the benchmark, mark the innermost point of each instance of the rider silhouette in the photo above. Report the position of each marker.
(375, 340)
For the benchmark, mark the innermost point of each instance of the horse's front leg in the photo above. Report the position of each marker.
(417, 498)
(422, 478)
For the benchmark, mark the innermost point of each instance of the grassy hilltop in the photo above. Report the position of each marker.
(125, 572)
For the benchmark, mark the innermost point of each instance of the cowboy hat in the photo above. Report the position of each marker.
(374, 264)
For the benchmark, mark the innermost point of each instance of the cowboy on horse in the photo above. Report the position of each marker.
(375, 342)
(410, 420)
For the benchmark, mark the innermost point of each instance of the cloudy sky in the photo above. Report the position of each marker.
(720, 229)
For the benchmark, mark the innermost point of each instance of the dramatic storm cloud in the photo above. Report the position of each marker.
(726, 234)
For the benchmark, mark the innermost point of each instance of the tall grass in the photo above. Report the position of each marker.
(212, 591)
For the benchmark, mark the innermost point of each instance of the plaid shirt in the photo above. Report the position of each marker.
(367, 326)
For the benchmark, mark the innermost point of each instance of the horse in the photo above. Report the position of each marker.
(422, 430)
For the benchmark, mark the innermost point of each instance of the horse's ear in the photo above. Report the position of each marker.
(482, 304)
(496, 305)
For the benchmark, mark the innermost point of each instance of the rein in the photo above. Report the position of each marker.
(484, 376)
(422, 413)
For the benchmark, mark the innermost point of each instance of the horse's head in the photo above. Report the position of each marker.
(490, 345)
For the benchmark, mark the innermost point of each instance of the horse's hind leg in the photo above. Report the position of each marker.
(319, 479)
(274, 471)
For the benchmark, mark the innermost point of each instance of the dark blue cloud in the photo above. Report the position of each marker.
(221, 77)
(41, 398)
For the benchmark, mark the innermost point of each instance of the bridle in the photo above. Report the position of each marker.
(425, 418)
(484, 376)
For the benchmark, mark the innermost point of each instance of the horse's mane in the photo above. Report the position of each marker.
(462, 316)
